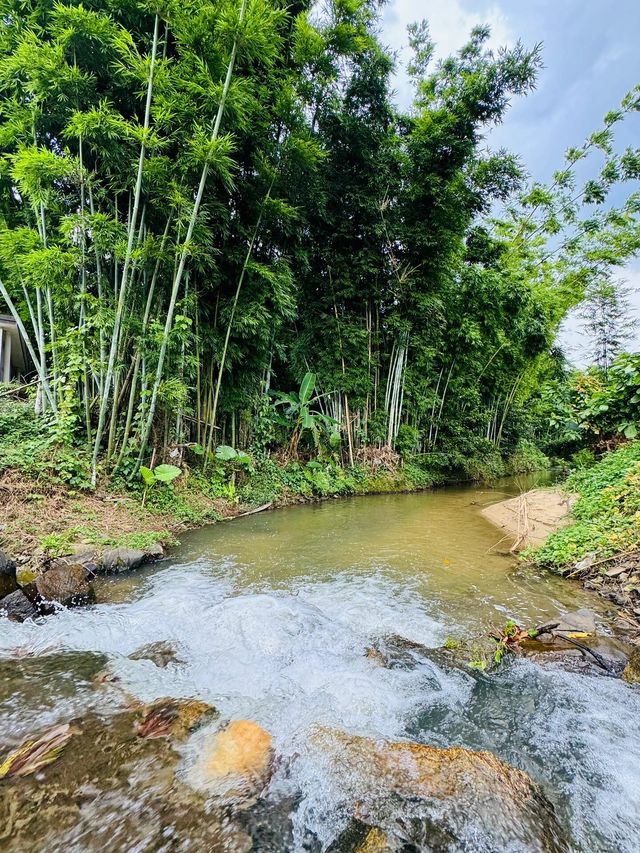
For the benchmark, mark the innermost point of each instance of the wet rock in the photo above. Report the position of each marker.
(112, 790)
(393, 651)
(396, 652)
(235, 763)
(8, 581)
(65, 585)
(461, 794)
(161, 654)
(631, 673)
(17, 607)
(175, 718)
(360, 838)
(122, 559)
(35, 753)
(600, 655)
(154, 552)
(583, 621)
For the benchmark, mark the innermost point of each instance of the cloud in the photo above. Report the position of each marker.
(449, 24)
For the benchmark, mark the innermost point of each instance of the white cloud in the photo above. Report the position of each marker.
(449, 24)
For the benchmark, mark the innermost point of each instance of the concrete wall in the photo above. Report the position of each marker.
(12, 362)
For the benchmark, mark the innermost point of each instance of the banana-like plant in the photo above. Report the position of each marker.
(299, 414)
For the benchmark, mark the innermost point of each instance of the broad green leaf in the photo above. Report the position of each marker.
(148, 476)
(631, 431)
(166, 473)
(306, 387)
(224, 453)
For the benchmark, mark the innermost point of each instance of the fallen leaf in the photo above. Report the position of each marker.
(33, 755)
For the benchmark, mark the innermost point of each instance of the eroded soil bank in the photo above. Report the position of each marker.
(530, 517)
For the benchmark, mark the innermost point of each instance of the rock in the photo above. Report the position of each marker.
(65, 585)
(121, 559)
(360, 838)
(582, 621)
(235, 763)
(88, 559)
(586, 562)
(8, 581)
(175, 718)
(17, 607)
(161, 654)
(456, 794)
(631, 672)
(616, 570)
(154, 552)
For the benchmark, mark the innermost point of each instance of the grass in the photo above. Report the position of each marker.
(607, 513)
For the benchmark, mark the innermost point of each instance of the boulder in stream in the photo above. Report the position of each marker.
(234, 764)
(8, 581)
(17, 607)
(161, 654)
(456, 795)
(64, 585)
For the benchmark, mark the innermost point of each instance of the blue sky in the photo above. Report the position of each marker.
(591, 54)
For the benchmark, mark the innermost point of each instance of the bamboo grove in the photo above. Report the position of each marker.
(206, 203)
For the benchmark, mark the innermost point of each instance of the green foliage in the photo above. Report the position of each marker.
(180, 249)
(300, 415)
(62, 543)
(607, 513)
(527, 458)
(160, 474)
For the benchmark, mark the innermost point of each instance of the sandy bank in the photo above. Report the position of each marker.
(532, 516)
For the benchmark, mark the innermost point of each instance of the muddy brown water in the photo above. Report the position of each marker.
(271, 617)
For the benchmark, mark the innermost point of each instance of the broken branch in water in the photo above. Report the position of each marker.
(565, 636)
(508, 639)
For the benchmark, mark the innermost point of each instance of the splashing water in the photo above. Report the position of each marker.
(271, 618)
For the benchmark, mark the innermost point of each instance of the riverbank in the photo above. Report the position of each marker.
(589, 529)
(50, 508)
(532, 516)
(602, 547)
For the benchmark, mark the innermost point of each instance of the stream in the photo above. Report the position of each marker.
(272, 618)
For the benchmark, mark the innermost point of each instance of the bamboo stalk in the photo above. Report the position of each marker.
(183, 256)
(115, 335)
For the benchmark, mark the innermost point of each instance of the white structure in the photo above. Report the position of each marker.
(12, 359)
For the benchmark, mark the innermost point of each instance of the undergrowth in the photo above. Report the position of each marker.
(607, 513)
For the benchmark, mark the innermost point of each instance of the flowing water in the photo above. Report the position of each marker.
(273, 618)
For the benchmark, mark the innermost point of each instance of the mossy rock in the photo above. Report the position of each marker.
(631, 672)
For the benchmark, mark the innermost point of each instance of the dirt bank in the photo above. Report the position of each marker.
(528, 519)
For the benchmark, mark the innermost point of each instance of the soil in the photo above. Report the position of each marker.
(532, 516)
(32, 510)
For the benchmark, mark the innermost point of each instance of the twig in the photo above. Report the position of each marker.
(249, 512)
(551, 629)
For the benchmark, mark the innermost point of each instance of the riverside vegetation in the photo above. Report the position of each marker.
(207, 205)
(244, 277)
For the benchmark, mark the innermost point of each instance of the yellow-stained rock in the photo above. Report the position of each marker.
(243, 748)
(235, 763)
(475, 791)
(376, 841)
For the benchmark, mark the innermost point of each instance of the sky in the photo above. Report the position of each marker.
(591, 58)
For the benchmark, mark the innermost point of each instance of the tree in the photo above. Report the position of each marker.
(607, 320)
